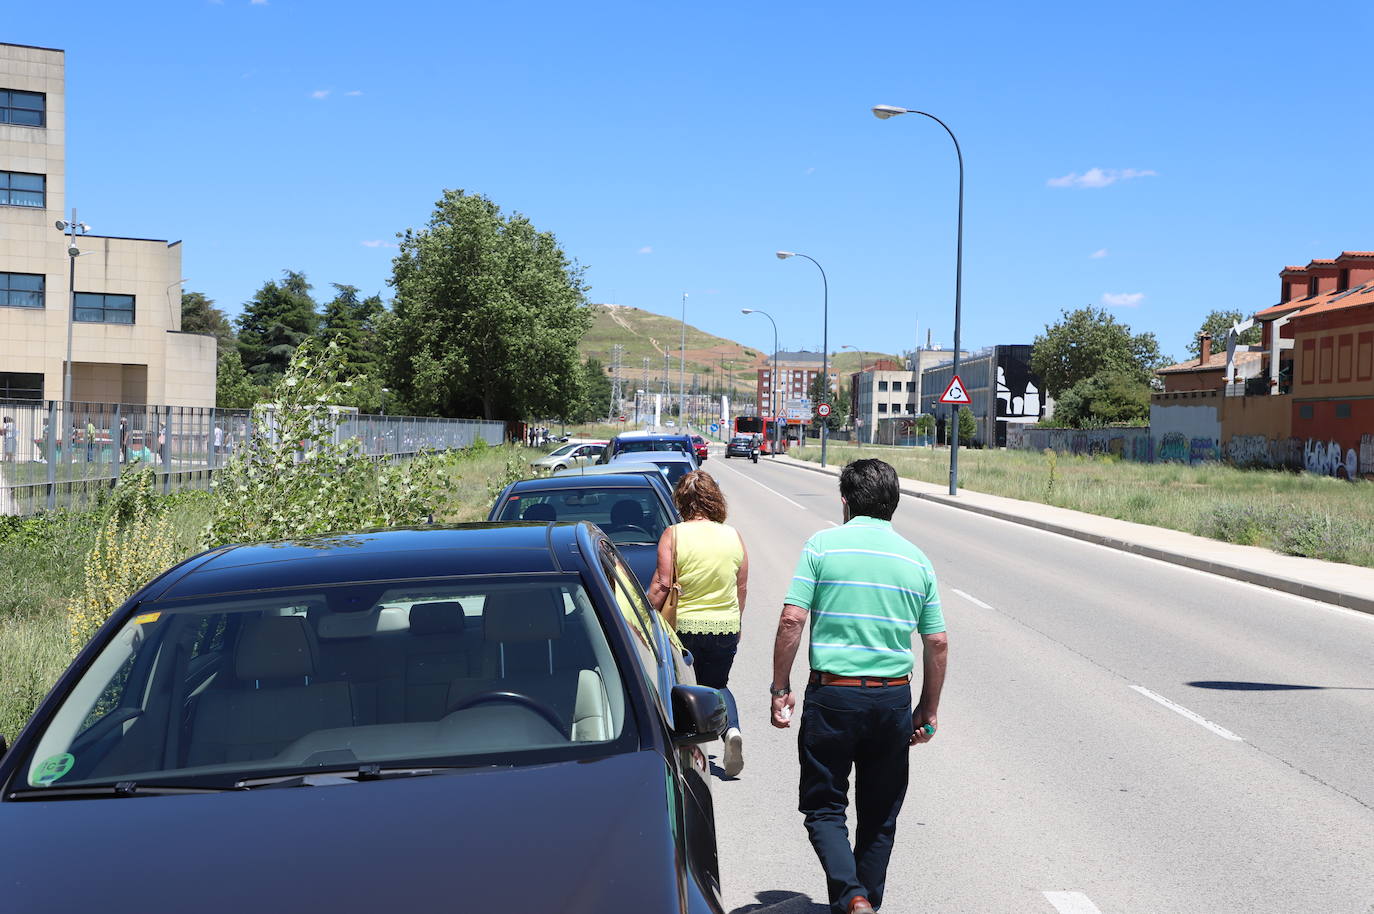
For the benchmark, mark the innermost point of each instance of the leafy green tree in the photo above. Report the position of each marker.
(595, 391)
(1088, 341)
(199, 315)
(350, 322)
(820, 392)
(278, 319)
(1217, 324)
(233, 388)
(1107, 398)
(488, 314)
(968, 426)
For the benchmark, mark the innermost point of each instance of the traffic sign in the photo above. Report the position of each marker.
(715, 427)
(622, 418)
(823, 410)
(955, 392)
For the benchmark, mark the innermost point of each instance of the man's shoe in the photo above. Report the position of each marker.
(859, 905)
(734, 752)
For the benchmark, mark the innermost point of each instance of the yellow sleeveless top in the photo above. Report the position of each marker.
(708, 559)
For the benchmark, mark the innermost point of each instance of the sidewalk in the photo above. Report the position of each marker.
(1350, 586)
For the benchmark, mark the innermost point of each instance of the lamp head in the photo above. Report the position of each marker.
(883, 112)
(783, 255)
(61, 225)
(83, 227)
(746, 310)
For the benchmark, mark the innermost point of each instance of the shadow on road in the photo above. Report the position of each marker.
(1227, 686)
(783, 903)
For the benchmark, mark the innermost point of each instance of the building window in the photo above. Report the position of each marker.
(1305, 411)
(1342, 410)
(28, 109)
(882, 385)
(20, 189)
(21, 290)
(96, 308)
(18, 385)
(882, 407)
(911, 387)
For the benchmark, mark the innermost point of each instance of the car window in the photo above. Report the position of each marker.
(638, 615)
(505, 670)
(627, 515)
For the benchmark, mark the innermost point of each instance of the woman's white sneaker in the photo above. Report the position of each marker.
(734, 752)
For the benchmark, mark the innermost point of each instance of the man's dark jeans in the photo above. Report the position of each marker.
(712, 657)
(868, 730)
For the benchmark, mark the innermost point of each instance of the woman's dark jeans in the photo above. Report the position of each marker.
(712, 657)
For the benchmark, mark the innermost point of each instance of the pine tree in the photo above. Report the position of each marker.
(278, 318)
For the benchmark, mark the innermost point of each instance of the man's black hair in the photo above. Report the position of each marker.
(869, 487)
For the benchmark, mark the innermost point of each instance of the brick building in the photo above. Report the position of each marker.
(797, 371)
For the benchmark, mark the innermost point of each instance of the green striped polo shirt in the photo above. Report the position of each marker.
(867, 589)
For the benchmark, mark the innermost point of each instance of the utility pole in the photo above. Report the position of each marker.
(682, 367)
(617, 390)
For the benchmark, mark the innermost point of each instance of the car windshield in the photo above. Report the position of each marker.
(211, 691)
(672, 470)
(565, 450)
(740, 440)
(638, 445)
(627, 515)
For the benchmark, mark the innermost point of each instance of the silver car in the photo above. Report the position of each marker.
(577, 454)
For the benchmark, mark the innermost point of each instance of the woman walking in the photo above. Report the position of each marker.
(706, 559)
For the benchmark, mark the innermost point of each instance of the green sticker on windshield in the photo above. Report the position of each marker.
(52, 768)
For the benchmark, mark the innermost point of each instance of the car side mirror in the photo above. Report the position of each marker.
(699, 715)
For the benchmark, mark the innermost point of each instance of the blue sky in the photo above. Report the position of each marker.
(1162, 159)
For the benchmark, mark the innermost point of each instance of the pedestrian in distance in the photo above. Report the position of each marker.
(90, 440)
(706, 558)
(865, 589)
(8, 436)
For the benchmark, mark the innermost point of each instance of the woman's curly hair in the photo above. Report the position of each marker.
(697, 495)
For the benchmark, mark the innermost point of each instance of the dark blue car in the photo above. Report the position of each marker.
(476, 718)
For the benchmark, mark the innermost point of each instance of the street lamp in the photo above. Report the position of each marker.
(883, 112)
(825, 339)
(773, 381)
(682, 370)
(71, 230)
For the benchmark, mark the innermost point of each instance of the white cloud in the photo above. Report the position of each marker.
(1100, 177)
(320, 93)
(811, 171)
(377, 244)
(646, 250)
(354, 92)
(1122, 299)
(258, 2)
(1098, 254)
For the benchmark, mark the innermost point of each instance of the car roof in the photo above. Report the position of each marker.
(513, 547)
(566, 479)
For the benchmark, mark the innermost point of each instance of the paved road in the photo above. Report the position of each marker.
(1117, 735)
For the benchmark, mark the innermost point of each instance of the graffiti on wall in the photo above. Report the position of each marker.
(1125, 443)
(1329, 459)
(1172, 446)
(1260, 451)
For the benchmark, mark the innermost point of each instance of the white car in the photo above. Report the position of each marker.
(577, 454)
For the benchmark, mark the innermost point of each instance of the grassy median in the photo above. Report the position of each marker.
(1293, 513)
(43, 558)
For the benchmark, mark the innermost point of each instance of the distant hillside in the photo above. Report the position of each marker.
(645, 334)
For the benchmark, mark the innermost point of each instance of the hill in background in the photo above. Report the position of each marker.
(711, 359)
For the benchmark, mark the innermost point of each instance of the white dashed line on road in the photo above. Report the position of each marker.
(972, 599)
(776, 492)
(1072, 903)
(1195, 718)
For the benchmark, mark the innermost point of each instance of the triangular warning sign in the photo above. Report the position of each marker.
(955, 392)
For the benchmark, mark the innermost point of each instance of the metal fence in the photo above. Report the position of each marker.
(56, 454)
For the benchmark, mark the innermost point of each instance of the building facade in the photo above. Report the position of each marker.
(797, 371)
(1000, 383)
(126, 339)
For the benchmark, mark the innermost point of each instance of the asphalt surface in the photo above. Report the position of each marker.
(1117, 735)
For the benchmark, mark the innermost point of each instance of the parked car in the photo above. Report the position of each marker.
(672, 464)
(569, 455)
(465, 706)
(630, 509)
(700, 448)
(651, 471)
(743, 446)
(647, 444)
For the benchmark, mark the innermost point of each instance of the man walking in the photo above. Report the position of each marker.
(866, 589)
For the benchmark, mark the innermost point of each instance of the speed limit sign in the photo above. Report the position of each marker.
(823, 410)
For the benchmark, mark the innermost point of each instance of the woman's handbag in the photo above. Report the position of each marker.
(669, 608)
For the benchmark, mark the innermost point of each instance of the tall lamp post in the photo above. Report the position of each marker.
(682, 370)
(71, 230)
(883, 112)
(825, 338)
(773, 381)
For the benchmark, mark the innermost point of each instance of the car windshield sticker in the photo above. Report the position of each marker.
(52, 768)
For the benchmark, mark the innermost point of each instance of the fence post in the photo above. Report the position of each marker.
(165, 447)
(50, 453)
(116, 445)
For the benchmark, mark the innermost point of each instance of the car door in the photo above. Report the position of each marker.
(585, 455)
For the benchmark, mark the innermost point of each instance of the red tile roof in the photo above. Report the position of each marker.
(1216, 362)
(1339, 301)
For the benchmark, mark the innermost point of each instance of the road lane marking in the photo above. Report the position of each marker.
(1195, 718)
(776, 492)
(972, 599)
(1072, 903)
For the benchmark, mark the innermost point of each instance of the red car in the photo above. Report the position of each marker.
(699, 445)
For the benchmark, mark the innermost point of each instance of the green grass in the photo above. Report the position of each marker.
(1292, 513)
(43, 558)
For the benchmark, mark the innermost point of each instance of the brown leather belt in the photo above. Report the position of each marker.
(872, 682)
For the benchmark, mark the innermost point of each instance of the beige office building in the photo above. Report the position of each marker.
(127, 344)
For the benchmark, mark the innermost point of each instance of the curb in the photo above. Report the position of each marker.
(1297, 588)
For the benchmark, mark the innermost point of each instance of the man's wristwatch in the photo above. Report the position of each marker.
(778, 693)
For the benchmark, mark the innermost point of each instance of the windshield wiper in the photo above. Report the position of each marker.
(351, 776)
(117, 791)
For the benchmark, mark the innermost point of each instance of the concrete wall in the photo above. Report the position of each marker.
(1126, 443)
(1186, 427)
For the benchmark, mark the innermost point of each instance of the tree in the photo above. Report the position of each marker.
(820, 392)
(1217, 324)
(278, 319)
(350, 323)
(199, 315)
(1088, 341)
(488, 314)
(233, 388)
(1107, 398)
(968, 426)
